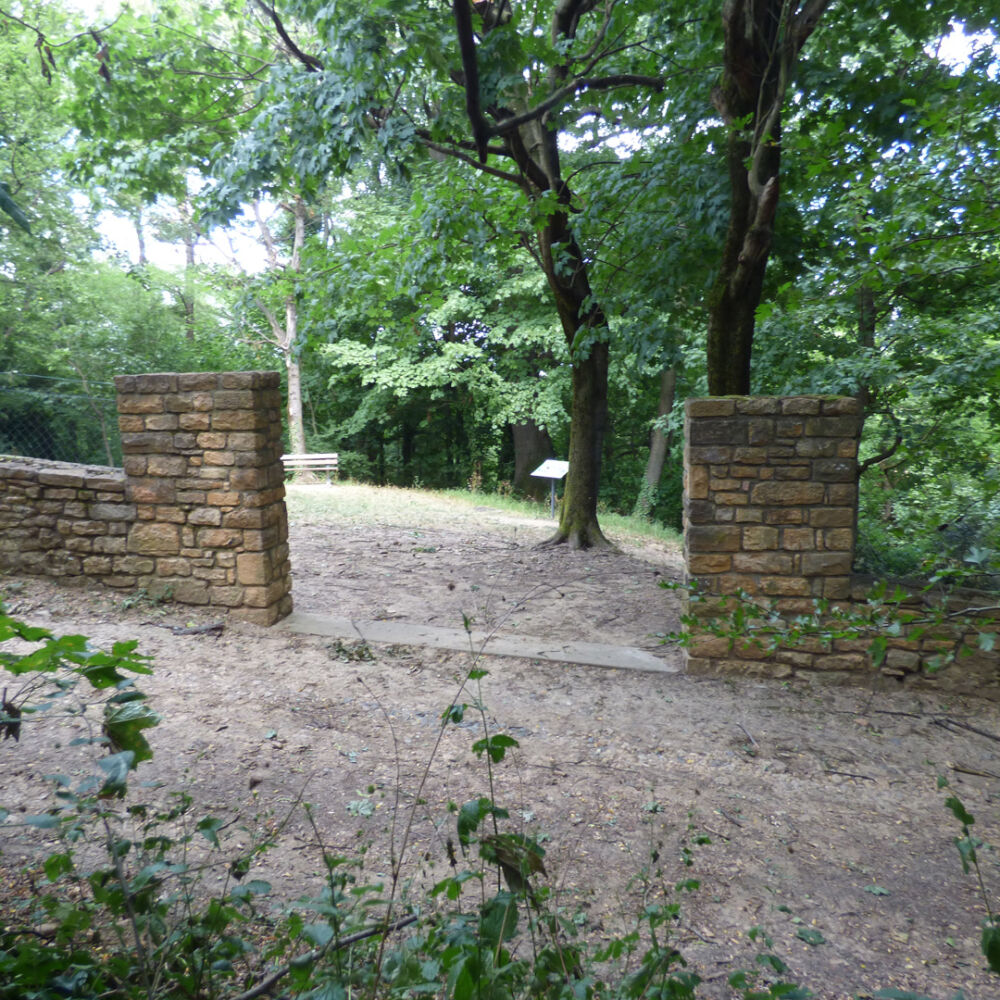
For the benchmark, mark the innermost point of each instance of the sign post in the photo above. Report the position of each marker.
(553, 470)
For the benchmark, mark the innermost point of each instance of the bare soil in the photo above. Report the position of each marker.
(820, 801)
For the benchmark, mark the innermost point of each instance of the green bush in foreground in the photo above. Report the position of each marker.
(126, 913)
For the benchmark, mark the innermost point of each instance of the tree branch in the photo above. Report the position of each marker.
(269, 982)
(504, 175)
(311, 63)
(506, 125)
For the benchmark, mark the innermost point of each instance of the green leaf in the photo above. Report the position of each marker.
(472, 814)
(810, 935)
(959, 811)
(991, 944)
(58, 864)
(319, 935)
(496, 746)
(209, 827)
(43, 821)
(123, 726)
(876, 890)
(116, 769)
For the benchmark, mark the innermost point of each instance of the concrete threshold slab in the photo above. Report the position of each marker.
(593, 654)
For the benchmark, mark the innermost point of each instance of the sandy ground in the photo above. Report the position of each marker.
(820, 802)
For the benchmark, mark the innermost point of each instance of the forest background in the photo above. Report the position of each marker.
(450, 225)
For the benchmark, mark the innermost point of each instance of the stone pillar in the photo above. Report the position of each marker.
(202, 458)
(770, 496)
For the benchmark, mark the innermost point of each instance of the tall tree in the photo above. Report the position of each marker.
(497, 87)
(763, 39)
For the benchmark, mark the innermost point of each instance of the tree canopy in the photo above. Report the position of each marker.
(519, 224)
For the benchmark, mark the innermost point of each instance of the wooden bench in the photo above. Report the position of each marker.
(311, 463)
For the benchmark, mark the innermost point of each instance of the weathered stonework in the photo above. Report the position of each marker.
(770, 499)
(198, 511)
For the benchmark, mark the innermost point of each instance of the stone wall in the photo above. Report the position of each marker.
(770, 500)
(58, 519)
(197, 514)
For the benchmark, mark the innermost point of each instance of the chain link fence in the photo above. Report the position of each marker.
(64, 419)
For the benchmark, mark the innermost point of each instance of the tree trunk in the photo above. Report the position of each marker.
(190, 237)
(532, 446)
(296, 426)
(578, 514)
(659, 444)
(762, 39)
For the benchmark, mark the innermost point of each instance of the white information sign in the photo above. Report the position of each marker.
(552, 469)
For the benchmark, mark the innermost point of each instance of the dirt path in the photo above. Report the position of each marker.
(820, 803)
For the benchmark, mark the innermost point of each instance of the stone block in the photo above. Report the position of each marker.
(832, 427)
(817, 448)
(218, 538)
(238, 420)
(254, 441)
(222, 498)
(205, 516)
(831, 517)
(173, 566)
(719, 431)
(262, 597)
(826, 563)
(147, 403)
(696, 482)
(756, 405)
(234, 399)
(787, 429)
(166, 465)
(798, 539)
(148, 443)
(190, 591)
(131, 424)
(749, 456)
(763, 562)
(111, 511)
(800, 405)
(697, 512)
(135, 565)
(757, 538)
(226, 596)
(838, 405)
(151, 491)
(748, 515)
(194, 421)
(96, 565)
(712, 538)
(181, 402)
(716, 406)
(152, 538)
(841, 495)
(838, 539)
(204, 381)
(835, 470)
(254, 568)
(109, 544)
(156, 382)
(837, 588)
(784, 586)
(700, 563)
(161, 422)
(786, 493)
(760, 432)
(214, 440)
(840, 661)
